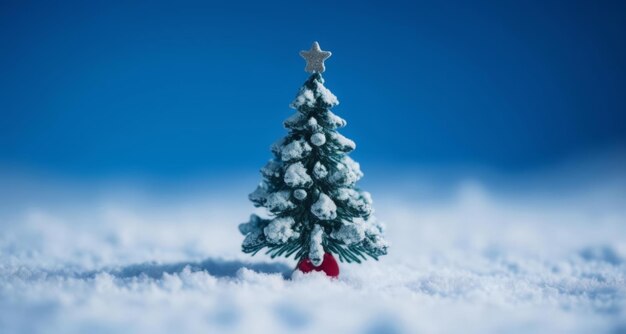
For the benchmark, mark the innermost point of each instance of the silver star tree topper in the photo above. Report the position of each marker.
(315, 58)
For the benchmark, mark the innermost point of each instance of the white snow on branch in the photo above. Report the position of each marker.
(373, 226)
(347, 172)
(319, 171)
(295, 150)
(258, 196)
(342, 142)
(359, 201)
(280, 230)
(376, 243)
(374, 240)
(305, 97)
(324, 208)
(350, 232)
(344, 194)
(313, 125)
(272, 169)
(296, 176)
(329, 98)
(277, 146)
(308, 97)
(297, 121)
(352, 165)
(344, 177)
(316, 250)
(254, 238)
(279, 201)
(367, 197)
(333, 121)
(254, 223)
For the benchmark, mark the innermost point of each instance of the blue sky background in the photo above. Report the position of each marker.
(103, 88)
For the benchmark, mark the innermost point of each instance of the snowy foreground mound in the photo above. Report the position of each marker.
(472, 261)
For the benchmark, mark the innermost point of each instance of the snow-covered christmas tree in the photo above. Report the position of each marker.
(314, 207)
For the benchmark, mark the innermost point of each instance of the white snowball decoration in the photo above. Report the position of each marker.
(299, 194)
(318, 139)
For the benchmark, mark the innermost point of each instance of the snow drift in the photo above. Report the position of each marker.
(475, 259)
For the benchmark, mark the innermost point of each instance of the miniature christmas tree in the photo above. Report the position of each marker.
(309, 187)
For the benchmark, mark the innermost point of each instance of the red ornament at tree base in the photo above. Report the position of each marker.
(329, 266)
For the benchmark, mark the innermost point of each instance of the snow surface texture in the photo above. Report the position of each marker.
(472, 259)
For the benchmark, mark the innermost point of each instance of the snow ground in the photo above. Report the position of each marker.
(474, 259)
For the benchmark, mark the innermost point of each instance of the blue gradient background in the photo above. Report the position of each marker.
(99, 88)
